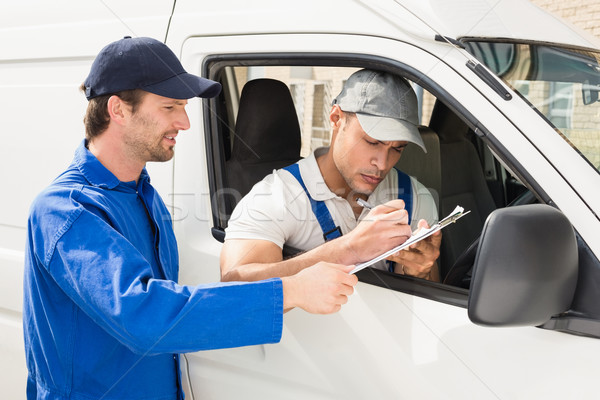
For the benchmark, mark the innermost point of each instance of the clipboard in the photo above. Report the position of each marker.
(417, 235)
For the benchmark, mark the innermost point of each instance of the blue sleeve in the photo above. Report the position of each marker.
(107, 278)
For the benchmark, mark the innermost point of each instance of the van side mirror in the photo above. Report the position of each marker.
(589, 93)
(526, 267)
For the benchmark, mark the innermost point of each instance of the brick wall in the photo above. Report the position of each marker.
(583, 13)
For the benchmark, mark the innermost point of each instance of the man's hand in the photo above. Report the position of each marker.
(385, 227)
(419, 260)
(320, 289)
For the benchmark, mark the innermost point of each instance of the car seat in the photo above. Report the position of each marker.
(463, 183)
(267, 134)
(426, 167)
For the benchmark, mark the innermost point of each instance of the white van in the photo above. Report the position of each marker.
(511, 119)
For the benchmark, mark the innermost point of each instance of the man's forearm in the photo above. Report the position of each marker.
(255, 271)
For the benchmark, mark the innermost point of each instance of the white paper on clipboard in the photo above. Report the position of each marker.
(418, 235)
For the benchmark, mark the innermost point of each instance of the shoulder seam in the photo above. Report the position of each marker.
(60, 232)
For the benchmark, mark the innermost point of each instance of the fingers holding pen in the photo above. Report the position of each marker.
(394, 213)
(391, 211)
(385, 208)
(386, 226)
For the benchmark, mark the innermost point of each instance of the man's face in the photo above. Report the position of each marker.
(153, 128)
(363, 161)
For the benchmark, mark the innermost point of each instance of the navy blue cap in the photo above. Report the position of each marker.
(147, 64)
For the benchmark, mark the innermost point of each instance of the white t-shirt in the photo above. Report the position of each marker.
(278, 210)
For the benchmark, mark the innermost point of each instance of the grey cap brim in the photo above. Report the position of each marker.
(390, 129)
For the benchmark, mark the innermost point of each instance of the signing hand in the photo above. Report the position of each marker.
(385, 227)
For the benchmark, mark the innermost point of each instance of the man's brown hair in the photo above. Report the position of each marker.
(96, 116)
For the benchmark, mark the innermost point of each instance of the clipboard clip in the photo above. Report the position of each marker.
(452, 218)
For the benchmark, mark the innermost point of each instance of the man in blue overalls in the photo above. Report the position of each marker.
(309, 204)
(103, 314)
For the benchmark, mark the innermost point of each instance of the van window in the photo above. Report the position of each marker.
(456, 153)
(312, 90)
(563, 84)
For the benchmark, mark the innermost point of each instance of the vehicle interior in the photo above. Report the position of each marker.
(274, 119)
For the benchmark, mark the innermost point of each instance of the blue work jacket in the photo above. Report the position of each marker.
(103, 315)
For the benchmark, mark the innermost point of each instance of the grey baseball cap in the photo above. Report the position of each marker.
(385, 104)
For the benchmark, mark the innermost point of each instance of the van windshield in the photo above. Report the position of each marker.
(563, 84)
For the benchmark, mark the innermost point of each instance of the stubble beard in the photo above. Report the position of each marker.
(144, 149)
(348, 177)
(159, 153)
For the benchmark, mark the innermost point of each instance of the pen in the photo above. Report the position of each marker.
(364, 203)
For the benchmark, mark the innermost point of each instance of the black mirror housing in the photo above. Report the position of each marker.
(526, 267)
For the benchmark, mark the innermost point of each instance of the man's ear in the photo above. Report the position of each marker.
(335, 116)
(116, 109)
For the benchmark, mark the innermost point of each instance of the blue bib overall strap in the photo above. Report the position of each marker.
(330, 231)
(404, 193)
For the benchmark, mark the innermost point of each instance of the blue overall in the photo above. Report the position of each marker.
(103, 314)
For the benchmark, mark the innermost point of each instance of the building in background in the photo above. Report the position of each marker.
(584, 14)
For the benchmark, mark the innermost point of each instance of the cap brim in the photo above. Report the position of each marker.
(390, 129)
(185, 86)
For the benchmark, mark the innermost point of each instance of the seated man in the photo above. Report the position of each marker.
(309, 203)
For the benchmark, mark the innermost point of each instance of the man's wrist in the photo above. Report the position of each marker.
(289, 292)
(339, 251)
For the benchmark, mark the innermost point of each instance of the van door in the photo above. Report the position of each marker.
(398, 337)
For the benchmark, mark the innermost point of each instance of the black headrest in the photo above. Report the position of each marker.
(267, 135)
(267, 127)
(447, 124)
